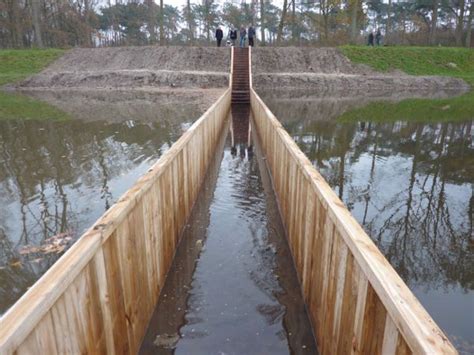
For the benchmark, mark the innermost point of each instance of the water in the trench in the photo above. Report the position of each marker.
(232, 288)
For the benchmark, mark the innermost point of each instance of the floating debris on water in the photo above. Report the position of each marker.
(168, 341)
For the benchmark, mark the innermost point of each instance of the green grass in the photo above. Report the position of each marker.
(14, 106)
(416, 61)
(16, 65)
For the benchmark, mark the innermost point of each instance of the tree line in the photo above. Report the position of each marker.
(96, 23)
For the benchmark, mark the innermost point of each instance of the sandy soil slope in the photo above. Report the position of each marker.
(326, 72)
(132, 67)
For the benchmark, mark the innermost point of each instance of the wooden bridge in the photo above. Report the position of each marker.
(99, 296)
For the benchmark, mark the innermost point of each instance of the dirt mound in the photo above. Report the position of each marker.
(127, 79)
(136, 67)
(326, 72)
(306, 60)
(150, 58)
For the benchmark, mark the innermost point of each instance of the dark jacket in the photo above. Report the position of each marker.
(233, 34)
(251, 32)
(219, 34)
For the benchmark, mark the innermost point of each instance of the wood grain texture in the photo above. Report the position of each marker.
(98, 297)
(352, 292)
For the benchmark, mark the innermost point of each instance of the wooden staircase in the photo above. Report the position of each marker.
(240, 76)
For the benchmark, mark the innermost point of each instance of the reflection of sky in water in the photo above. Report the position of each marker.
(411, 187)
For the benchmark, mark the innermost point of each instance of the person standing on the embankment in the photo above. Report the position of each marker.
(370, 40)
(378, 37)
(233, 36)
(251, 36)
(219, 35)
(243, 35)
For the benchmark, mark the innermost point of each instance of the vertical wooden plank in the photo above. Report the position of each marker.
(301, 223)
(98, 265)
(296, 218)
(74, 312)
(315, 280)
(329, 297)
(186, 181)
(127, 273)
(45, 336)
(402, 347)
(29, 345)
(342, 253)
(390, 337)
(116, 294)
(348, 311)
(175, 178)
(374, 324)
(61, 331)
(159, 236)
(142, 306)
(148, 205)
(362, 289)
(323, 275)
(309, 235)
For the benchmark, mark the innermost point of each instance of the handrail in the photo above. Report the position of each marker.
(356, 300)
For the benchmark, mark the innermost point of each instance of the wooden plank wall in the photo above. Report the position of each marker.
(99, 296)
(356, 300)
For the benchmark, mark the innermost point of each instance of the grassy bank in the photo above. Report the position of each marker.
(455, 62)
(16, 65)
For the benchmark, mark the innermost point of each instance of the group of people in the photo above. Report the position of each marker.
(232, 36)
(377, 37)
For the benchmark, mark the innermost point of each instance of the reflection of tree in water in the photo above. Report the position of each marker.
(47, 170)
(425, 226)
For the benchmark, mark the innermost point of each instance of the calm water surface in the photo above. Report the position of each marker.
(232, 288)
(58, 177)
(411, 186)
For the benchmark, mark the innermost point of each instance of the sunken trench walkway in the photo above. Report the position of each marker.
(232, 288)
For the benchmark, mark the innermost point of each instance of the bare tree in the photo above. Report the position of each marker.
(35, 7)
(354, 9)
(389, 21)
(162, 30)
(282, 21)
(262, 21)
(460, 23)
(434, 22)
(469, 25)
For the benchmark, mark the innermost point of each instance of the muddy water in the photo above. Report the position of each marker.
(58, 177)
(411, 186)
(232, 288)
